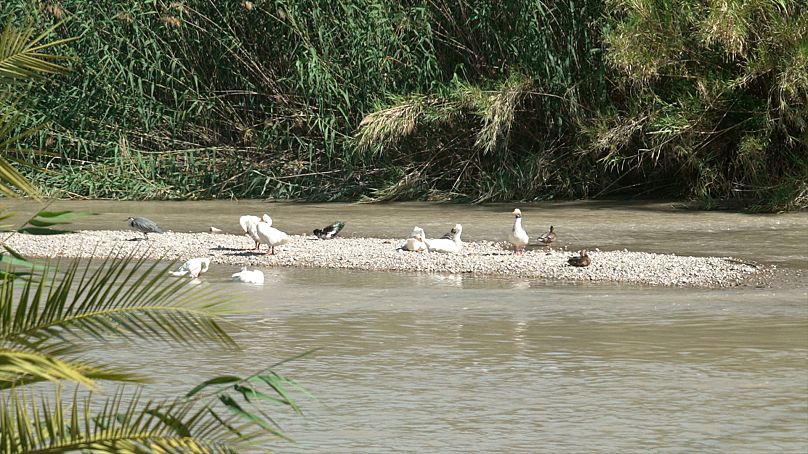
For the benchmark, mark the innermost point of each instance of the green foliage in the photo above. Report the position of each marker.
(196, 99)
(432, 99)
(712, 99)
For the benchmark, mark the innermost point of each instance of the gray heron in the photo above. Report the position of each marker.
(144, 225)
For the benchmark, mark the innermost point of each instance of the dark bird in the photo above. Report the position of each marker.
(582, 259)
(548, 237)
(328, 232)
(144, 225)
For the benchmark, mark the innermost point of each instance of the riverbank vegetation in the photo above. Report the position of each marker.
(434, 99)
(56, 321)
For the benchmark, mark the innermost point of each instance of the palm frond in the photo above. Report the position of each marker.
(123, 296)
(124, 423)
(20, 367)
(23, 56)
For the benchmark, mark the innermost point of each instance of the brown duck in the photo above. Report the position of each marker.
(548, 237)
(582, 259)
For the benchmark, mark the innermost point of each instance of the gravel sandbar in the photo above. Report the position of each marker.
(476, 258)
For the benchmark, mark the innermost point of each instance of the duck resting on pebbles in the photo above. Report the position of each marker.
(415, 242)
(518, 237)
(447, 245)
(582, 259)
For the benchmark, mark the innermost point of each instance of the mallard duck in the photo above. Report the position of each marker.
(192, 268)
(271, 236)
(249, 277)
(328, 232)
(518, 237)
(447, 245)
(548, 237)
(582, 259)
(415, 242)
(144, 226)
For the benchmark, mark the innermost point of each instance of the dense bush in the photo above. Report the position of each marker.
(430, 99)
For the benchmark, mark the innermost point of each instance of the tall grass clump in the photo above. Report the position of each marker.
(710, 100)
(199, 99)
(426, 99)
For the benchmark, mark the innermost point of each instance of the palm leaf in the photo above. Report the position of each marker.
(23, 56)
(124, 296)
(124, 423)
(20, 367)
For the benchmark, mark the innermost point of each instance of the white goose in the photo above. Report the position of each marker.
(192, 268)
(248, 223)
(518, 237)
(447, 245)
(415, 242)
(270, 235)
(249, 277)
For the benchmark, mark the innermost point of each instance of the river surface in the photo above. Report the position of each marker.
(456, 364)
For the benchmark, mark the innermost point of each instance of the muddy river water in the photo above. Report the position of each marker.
(446, 363)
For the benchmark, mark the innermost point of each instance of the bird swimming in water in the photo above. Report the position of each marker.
(328, 232)
(249, 277)
(144, 226)
(192, 268)
(548, 237)
(582, 259)
(518, 237)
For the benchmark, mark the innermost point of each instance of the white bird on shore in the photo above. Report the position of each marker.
(249, 277)
(518, 237)
(248, 223)
(192, 268)
(270, 235)
(446, 245)
(415, 242)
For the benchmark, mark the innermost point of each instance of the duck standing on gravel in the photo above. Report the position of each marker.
(144, 226)
(447, 245)
(415, 242)
(192, 268)
(548, 237)
(248, 223)
(330, 231)
(582, 259)
(518, 237)
(270, 235)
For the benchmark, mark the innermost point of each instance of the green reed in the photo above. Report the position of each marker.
(435, 99)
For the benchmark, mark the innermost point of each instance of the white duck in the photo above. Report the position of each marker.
(518, 237)
(249, 277)
(447, 245)
(192, 268)
(415, 242)
(248, 223)
(270, 235)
